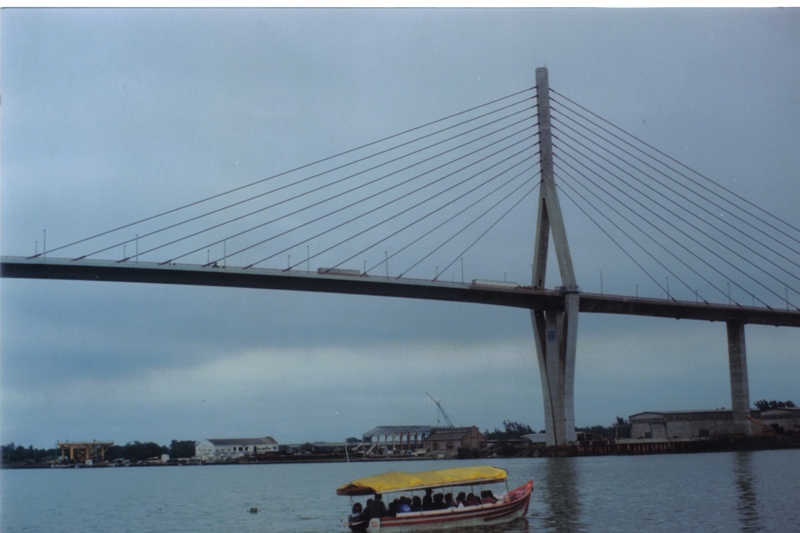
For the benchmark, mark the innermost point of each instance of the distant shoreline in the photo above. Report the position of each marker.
(501, 451)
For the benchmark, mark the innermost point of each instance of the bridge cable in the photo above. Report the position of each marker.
(295, 183)
(685, 209)
(489, 229)
(397, 199)
(446, 221)
(653, 257)
(676, 242)
(340, 154)
(385, 190)
(451, 218)
(473, 222)
(659, 229)
(341, 180)
(682, 196)
(690, 169)
(635, 226)
(683, 232)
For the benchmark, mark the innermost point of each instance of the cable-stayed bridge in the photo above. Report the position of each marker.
(399, 216)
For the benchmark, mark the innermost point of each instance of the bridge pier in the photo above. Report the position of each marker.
(556, 335)
(555, 332)
(737, 363)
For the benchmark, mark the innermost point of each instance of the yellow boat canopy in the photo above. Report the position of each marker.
(399, 481)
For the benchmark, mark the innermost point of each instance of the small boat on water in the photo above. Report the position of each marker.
(503, 508)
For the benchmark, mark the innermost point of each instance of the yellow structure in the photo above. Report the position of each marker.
(85, 451)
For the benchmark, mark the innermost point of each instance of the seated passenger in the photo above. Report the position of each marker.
(438, 502)
(461, 500)
(488, 497)
(448, 500)
(416, 504)
(393, 507)
(471, 500)
(405, 505)
(357, 516)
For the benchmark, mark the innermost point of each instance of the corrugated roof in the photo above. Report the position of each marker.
(449, 433)
(681, 412)
(242, 442)
(396, 430)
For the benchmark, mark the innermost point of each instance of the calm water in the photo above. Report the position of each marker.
(749, 491)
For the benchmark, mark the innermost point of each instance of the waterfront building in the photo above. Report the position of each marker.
(536, 438)
(216, 450)
(318, 447)
(785, 418)
(681, 424)
(447, 441)
(394, 439)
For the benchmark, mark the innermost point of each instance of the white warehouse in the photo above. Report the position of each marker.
(215, 450)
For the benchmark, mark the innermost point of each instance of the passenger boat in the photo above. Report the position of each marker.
(510, 506)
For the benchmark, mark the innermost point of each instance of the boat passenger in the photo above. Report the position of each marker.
(393, 507)
(488, 497)
(416, 504)
(376, 507)
(448, 500)
(358, 516)
(427, 500)
(471, 500)
(438, 502)
(461, 500)
(405, 505)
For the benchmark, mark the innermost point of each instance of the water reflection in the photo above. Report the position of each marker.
(561, 496)
(744, 481)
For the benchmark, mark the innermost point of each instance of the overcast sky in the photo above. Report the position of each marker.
(112, 115)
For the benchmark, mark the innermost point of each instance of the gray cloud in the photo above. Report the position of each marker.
(113, 115)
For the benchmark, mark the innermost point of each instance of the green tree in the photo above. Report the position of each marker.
(11, 454)
(764, 405)
(181, 449)
(136, 451)
(511, 430)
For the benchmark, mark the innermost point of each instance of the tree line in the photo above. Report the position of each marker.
(515, 430)
(17, 455)
(764, 405)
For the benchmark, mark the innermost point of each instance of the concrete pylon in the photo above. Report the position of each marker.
(555, 332)
(740, 392)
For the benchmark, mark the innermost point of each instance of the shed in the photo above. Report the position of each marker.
(214, 450)
(449, 440)
(681, 424)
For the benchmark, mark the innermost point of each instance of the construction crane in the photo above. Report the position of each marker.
(441, 410)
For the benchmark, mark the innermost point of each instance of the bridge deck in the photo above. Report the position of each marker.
(258, 278)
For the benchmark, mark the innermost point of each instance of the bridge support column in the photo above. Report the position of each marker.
(556, 335)
(555, 332)
(740, 392)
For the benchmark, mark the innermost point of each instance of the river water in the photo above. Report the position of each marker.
(725, 492)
